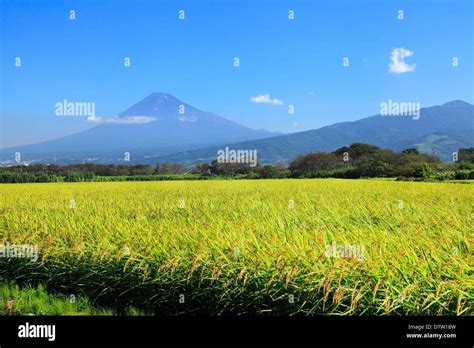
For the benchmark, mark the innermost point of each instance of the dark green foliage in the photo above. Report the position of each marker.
(7, 177)
(271, 172)
(368, 161)
(78, 176)
(411, 151)
(351, 162)
(463, 174)
(423, 171)
(169, 168)
(466, 155)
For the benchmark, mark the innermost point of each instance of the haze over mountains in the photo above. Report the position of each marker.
(174, 131)
(439, 130)
(166, 125)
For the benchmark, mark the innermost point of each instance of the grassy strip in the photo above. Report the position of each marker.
(36, 300)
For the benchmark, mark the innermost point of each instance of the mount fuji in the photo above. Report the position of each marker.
(158, 125)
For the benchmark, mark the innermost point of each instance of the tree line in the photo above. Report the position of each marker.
(369, 161)
(355, 161)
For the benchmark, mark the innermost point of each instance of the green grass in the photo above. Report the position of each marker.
(238, 247)
(37, 301)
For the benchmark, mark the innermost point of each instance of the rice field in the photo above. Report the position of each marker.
(268, 247)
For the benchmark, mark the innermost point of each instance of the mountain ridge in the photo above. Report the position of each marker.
(172, 126)
(179, 132)
(391, 132)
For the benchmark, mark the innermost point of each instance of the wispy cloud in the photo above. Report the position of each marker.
(397, 61)
(265, 99)
(121, 120)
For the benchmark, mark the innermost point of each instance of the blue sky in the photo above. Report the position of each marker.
(297, 62)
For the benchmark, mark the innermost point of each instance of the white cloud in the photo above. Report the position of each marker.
(122, 120)
(265, 99)
(397, 61)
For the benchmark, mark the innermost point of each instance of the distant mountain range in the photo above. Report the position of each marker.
(174, 131)
(439, 130)
(166, 125)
